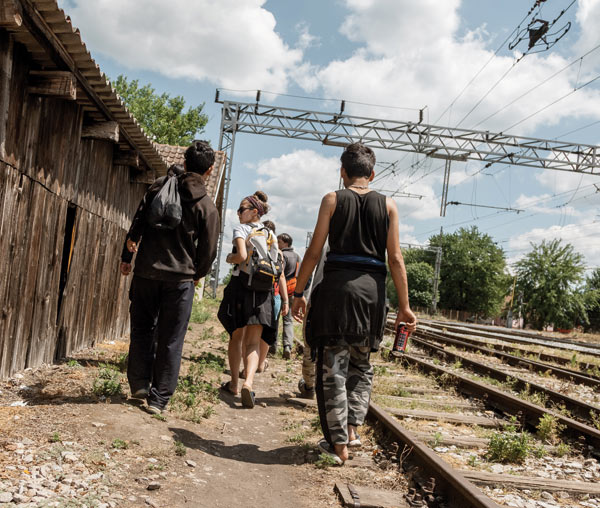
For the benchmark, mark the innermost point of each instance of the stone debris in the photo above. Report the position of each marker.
(153, 486)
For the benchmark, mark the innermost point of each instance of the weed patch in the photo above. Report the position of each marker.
(180, 449)
(549, 429)
(108, 381)
(508, 446)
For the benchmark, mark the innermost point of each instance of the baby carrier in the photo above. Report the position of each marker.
(262, 266)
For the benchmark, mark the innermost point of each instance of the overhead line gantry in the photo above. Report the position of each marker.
(438, 142)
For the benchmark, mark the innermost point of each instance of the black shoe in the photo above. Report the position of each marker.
(140, 393)
(287, 353)
(305, 391)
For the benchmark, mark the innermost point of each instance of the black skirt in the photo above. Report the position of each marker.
(348, 307)
(242, 306)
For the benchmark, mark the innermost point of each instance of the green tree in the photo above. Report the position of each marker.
(548, 277)
(591, 298)
(420, 285)
(472, 273)
(161, 116)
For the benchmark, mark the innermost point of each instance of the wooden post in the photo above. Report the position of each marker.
(129, 158)
(10, 14)
(143, 177)
(6, 59)
(101, 130)
(59, 84)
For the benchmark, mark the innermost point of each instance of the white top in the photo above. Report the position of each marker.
(242, 231)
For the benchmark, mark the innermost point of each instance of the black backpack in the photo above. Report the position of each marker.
(164, 211)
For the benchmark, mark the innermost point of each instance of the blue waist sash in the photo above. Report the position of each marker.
(351, 258)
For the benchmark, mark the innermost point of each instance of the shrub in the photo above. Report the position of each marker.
(107, 382)
(549, 429)
(508, 446)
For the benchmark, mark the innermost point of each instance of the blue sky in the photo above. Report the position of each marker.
(387, 52)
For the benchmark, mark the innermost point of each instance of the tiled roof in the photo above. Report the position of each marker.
(175, 155)
(62, 46)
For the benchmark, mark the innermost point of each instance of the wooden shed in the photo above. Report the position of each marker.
(74, 164)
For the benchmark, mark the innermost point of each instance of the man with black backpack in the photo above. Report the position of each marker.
(292, 264)
(176, 228)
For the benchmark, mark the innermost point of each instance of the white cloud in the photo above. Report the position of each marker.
(232, 43)
(584, 236)
(564, 181)
(588, 14)
(296, 183)
(412, 55)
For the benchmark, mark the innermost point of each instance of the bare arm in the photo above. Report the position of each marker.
(241, 254)
(397, 268)
(313, 253)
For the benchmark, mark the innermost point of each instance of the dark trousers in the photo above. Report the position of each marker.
(160, 311)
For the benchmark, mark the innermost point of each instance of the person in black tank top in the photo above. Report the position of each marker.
(347, 314)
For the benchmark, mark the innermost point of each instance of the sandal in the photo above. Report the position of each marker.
(242, 374)
(226, 387)
(355, 443)
(265, 367)
(248, 397)
(327, 449)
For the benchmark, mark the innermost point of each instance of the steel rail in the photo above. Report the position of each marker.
(576, 407)
(584, 367)
(515, 361)
(510, 404)
(517, 332)
(592, 351)
(455, 488)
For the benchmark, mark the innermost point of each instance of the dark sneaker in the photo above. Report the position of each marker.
(140, 393)
(305, 391)
(154, 410)
(287, 353)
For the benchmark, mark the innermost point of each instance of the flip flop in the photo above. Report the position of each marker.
(266, 366)
(242, 374)
(355, 443)
(327, 449)
(225, 386)
(248, 397)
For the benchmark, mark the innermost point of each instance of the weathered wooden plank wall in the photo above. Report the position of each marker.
(46, 168)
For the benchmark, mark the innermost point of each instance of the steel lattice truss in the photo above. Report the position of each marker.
(430, 140)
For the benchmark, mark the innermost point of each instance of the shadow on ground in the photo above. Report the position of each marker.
(243, 452)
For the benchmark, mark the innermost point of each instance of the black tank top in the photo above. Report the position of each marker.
(359, 225)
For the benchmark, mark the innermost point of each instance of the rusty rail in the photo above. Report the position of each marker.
(454, 487)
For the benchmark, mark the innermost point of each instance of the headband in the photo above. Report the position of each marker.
(256, 204)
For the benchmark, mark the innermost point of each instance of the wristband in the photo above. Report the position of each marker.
(298, 294)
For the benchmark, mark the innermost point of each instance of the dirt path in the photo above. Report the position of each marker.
(62, 445)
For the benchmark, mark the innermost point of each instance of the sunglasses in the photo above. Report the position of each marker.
(241, 209)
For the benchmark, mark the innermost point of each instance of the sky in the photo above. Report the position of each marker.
(386, 59)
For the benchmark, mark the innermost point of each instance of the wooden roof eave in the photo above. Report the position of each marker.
(46, 30)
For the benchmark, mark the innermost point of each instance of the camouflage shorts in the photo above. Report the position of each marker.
(343, 385)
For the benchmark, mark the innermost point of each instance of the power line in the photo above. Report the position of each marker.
(485, 65)
(319, 99)
(509, 70)
(549, 78)
(553, 103)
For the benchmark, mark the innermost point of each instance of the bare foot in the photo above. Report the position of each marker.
(341, 450)
(352, 435)
(229, 387)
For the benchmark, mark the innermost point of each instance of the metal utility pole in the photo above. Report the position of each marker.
(448, 143)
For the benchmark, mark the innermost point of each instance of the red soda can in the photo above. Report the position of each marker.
(401, 339)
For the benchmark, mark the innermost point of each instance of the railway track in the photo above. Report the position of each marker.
(508, 336)
(517, 332)
(447, 422)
